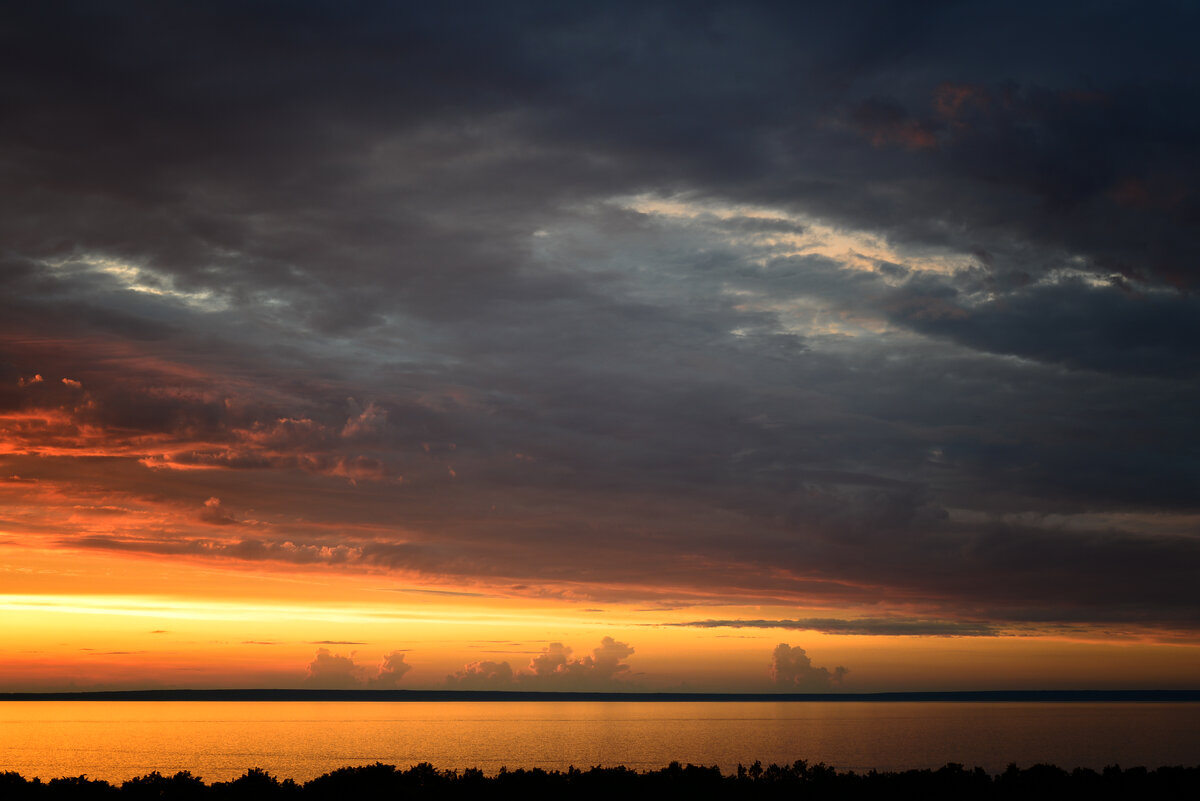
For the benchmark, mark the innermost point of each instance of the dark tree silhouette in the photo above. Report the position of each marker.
(800, 780)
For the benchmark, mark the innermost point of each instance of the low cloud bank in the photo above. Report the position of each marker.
(330, 671)
(553, 668)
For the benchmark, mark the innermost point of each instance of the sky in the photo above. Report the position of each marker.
(706, 346)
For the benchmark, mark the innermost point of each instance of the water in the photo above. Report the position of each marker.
(220, 740)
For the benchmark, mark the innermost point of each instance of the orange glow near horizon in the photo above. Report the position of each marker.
(639, 349)
(68, 625)
(136, 558)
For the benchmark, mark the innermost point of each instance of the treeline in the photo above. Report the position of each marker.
(798, 780)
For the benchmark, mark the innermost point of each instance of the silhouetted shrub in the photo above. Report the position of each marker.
(183, 786)
(256, 785)
(377, 779)
(13, 787)
(796, 782)
(80, 788)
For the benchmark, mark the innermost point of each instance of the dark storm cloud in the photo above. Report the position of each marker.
(406, 282)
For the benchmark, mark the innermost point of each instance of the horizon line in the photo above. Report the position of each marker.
(414, 695)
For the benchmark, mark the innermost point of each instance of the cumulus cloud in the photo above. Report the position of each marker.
(791, 668)
(607, 660)
(553, 668)
(330, 671)
(483, 675)
(390, 671)
(603, 667)
(554, 659)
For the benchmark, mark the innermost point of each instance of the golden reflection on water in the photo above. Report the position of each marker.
(220, 740)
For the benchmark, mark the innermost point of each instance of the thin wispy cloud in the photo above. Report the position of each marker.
(887, 627)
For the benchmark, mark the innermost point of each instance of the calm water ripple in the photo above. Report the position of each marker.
(220, 740)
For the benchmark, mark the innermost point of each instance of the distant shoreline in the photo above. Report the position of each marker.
(392, 696)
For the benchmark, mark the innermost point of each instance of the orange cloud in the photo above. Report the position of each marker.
(216, 514)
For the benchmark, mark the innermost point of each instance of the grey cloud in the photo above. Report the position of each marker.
(420, 211)
(758, 225)
(1067, 323)
(1009, 571)
(888, 627)
(246, 549)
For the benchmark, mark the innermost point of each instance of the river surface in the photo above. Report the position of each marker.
(219, 741)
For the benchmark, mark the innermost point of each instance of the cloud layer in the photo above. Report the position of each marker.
(885, 309)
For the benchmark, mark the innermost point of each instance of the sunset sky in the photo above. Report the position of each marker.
(650, 346)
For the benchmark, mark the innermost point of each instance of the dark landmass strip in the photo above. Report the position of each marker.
(1059, 696)
(798, 780)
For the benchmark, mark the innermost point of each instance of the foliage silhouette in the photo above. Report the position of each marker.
(800, 780)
